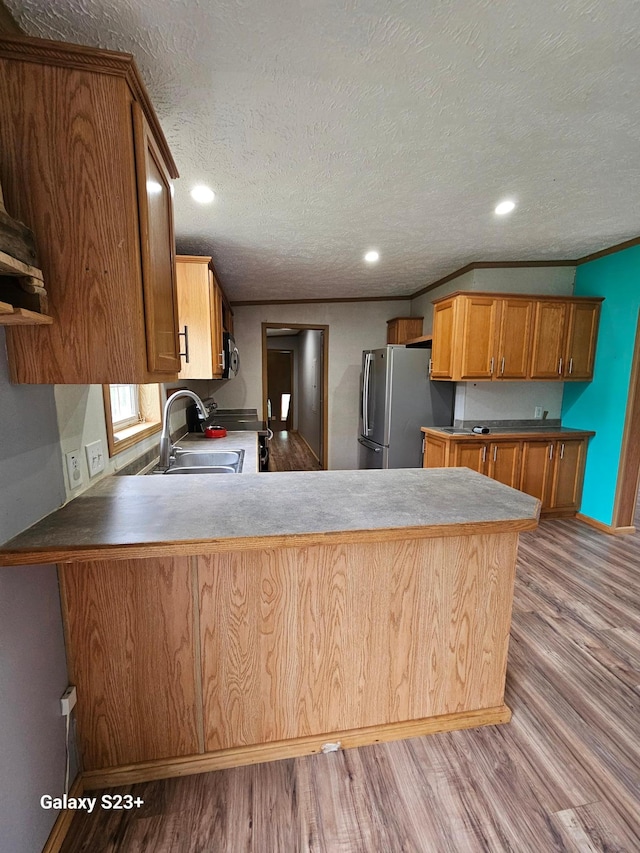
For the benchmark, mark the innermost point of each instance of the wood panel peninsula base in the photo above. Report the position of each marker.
(260, 648)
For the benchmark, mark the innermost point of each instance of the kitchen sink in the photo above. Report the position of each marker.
(204, 462)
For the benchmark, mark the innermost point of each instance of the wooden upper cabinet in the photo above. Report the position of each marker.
(582, 332)
(157, 246)
(403, 329)
(492, 336)
(547, 347)
(86, 167)
(442, 350)
(477, 332)
(201, 306)
(514, 334)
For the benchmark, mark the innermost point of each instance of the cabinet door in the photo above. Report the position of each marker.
(479, 315)
(568, 473)
(442, 343)
(217, 347)
(503, 462)
(535, 472)
(470, 454)
(547, 346)
(582, 331)
(514, 339)
(194, 316)
(435, 452)
(157, 246)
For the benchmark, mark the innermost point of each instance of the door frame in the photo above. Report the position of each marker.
(624, 504)
(324, 423)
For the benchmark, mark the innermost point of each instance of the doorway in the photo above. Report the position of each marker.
(294, 394)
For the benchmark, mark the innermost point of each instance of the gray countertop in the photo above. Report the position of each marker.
(510, 431)
(134, 511)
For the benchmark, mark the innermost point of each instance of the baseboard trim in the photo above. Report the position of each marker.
(258, 753)
(311, 450)
(605, 528)
(63, 821)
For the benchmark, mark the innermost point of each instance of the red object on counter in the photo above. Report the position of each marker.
(215, 432)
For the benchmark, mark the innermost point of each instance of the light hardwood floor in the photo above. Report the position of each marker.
(564, 775)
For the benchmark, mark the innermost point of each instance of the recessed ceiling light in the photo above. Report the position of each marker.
(372, 257)
(202, 194)
(505, 207)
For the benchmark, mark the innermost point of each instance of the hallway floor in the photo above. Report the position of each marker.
(289, 452)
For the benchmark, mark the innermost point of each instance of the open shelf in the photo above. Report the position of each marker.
(11, 316)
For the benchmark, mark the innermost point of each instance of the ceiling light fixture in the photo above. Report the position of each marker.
(505, 207)
(372, 257)
(202, 194)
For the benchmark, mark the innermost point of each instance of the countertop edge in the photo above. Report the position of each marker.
(195, 547)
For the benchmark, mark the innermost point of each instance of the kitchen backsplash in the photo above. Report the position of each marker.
(502, 401)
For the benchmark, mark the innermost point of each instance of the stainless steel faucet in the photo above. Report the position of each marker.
(166, 447)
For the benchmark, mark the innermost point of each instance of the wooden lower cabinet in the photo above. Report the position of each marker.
(550, 469)
(185, 664)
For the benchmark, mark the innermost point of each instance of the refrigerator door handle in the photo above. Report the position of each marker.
(369, 446)
(365, 394)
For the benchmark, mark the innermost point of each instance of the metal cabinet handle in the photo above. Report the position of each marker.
(551, 451)
(562, 450)
(495, 452)
(185, 335)
(560, 366)
(571, 365)
(502, 367)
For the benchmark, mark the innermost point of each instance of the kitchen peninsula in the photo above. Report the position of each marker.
(213, 621)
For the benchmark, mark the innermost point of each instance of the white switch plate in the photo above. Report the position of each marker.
(537, 413)
(95, 457)
(73, 469)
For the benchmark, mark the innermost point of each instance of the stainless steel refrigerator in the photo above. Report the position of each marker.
(396, 399)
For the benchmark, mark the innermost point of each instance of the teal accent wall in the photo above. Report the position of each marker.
(601, 405)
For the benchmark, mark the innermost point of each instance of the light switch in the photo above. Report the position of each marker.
(95, 457)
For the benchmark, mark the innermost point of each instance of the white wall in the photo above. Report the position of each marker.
(353, 327)
(479, 401)
(33, 672)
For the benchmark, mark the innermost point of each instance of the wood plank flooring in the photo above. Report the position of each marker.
(564, 775)
(289, 452)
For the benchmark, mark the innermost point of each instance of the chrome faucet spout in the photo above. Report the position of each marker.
(166, 447)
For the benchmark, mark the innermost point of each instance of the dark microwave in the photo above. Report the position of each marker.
(230, 356)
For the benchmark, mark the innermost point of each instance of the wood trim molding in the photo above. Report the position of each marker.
(116, 64)
(257, 754)
(319, 301)
(619, 247)
(325, 378)
(609, 529)
(63, 821)
(628, 483)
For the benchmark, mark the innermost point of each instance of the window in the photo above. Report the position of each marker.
(132, 412)
(125, 408)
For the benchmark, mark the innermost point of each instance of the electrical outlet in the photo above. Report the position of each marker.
(74, 469)
(95, 457)
(68, 700)
(537, 414)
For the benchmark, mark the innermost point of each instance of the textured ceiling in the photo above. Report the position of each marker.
(328, 127)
